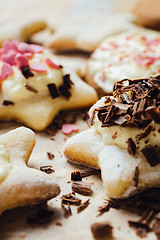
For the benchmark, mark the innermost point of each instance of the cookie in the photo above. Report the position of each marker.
(35, 87)
(19, 184)
(124, 138)
(133, 54)
(148, 13)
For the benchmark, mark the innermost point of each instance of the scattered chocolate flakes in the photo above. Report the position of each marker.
(28, 87)
(91, 119)
(59, 224)
(8, 103)
(50, 155)
(131, 146)
(53, 90)
(87, 173)
(136, 176)
(83, 206)
(47, 169)
(26, 71)
(141, 228)
(145, 132)
(67, 210)
(67, 81)
(70, 198)
(76, 176)
(42, 216)
(151, 155)
(101, 229)
(64, 91)
(82, 188)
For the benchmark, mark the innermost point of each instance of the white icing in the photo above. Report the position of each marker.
(116, 63)
(13, 87)
(123, 133)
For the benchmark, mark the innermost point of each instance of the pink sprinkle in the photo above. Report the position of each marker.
(9, 57)
(69, 128)
(15, 44)
(51, 64)
(110, 65)
(21, 60)
(7, 46)
(36, 48)
(38, 67)
(114, 45)
(6, 71)
(24, 48)
(28, 55)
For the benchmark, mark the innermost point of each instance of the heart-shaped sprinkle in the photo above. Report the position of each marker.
(9, 57)
(21, 60)
(38, 67)
(6, 71)
(52, 64)
(7, 46)
(24, 48)
(69, 128)
(36, 48)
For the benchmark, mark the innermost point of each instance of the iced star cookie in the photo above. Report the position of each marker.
(19, 184)
(124, 138)
(34, 87)
(133, 54)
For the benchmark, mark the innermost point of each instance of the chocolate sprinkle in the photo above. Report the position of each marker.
(67, 210)
(50, 155)
(76, 176)
(82, 188)
(131, 147)
(53, 90)
(136, 176)
(28, 87)
(141, 228)
(83, 206)
(70, 198)
(26, 71)
(8, 103)
(47, 169)
(101, 229)
(151, 155)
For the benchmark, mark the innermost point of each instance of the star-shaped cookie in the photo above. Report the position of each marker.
(124, 138)
(35, 87)
(19, 184)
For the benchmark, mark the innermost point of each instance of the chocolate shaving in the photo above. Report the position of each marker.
(50, 155)
(47, 169)
(136, 176)
(101, 229)
(67, 210)
(87, 173)
(83, 206)
(151, 155)
(64, 91)
(53, 90)
(26, 71)
(76, 176)
(131, 147)
(145, 132)
(114, 136)
(82, 188)
(8, 103)
(28, 87)
(67, 81)
(91, 119)
(70, 198)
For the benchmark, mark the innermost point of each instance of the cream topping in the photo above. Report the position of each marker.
(122, 133)
(134, 54)
(13, 87)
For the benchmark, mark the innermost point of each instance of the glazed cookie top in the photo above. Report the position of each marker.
(130, 118)
(133, 54)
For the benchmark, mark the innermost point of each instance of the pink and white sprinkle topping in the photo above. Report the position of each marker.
(52, 64)
(6, 71)
(21, 60)
(69, 128)
(38, 67)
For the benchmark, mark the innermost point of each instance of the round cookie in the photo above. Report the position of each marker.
(133, 54)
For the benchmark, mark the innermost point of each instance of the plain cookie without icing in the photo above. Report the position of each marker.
(19, 184)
